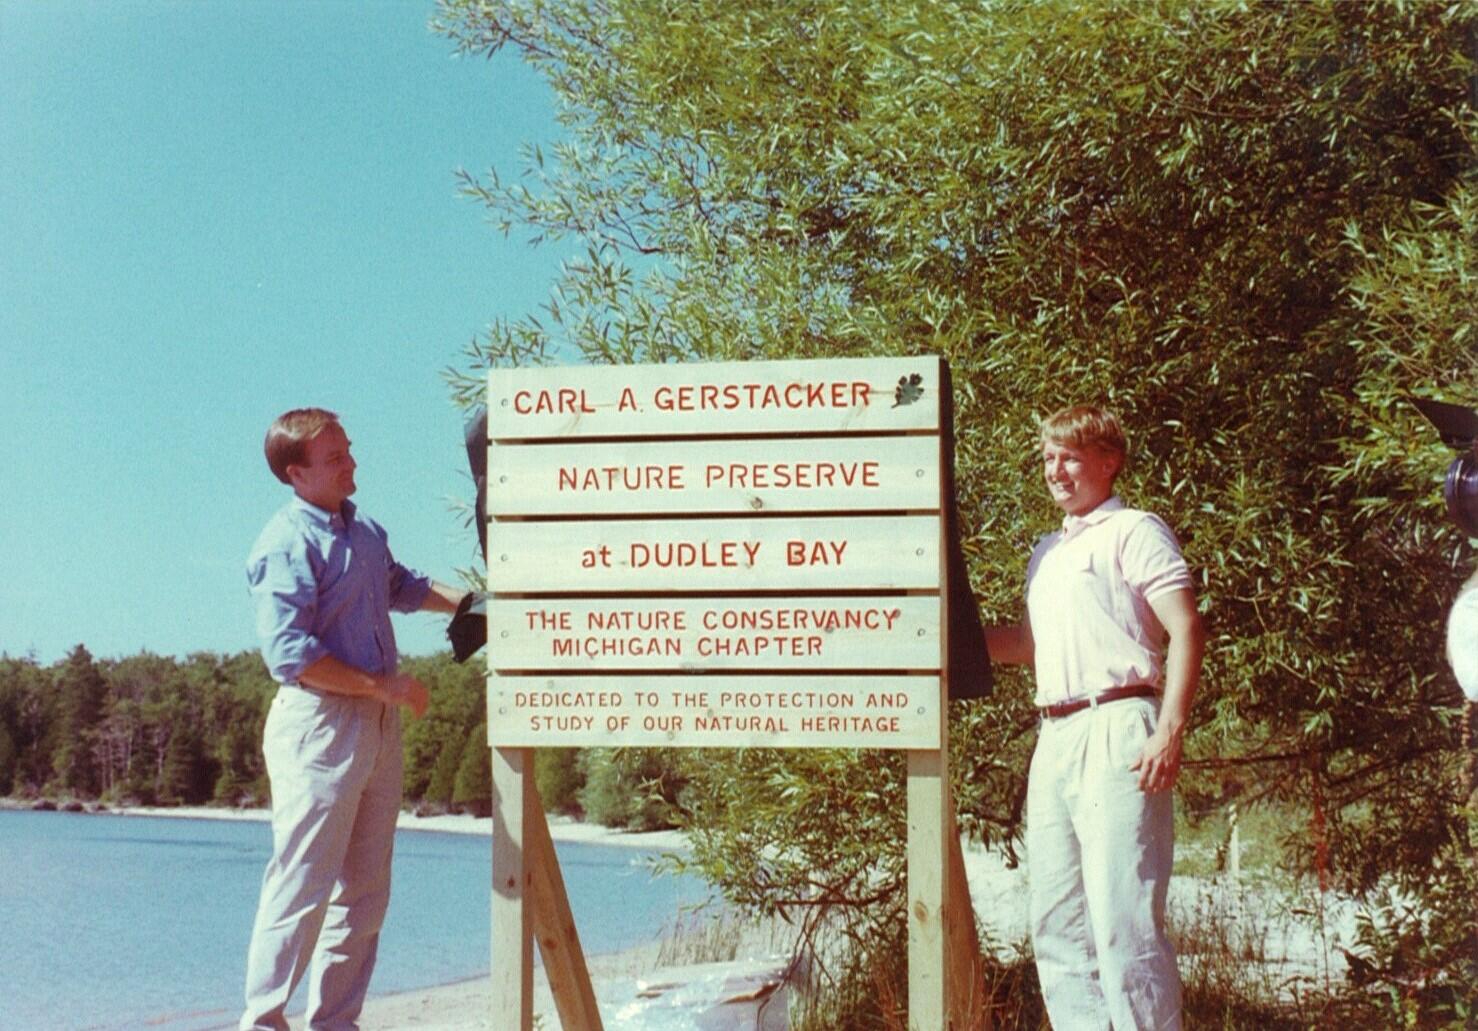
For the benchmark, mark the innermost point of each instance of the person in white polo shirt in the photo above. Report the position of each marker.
(1116, 640)
(1462, 638)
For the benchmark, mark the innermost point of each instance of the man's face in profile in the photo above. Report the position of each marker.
(327, 478)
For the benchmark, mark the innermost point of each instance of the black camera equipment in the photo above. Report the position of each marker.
(1458, 427)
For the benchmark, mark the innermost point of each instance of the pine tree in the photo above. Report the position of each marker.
(184, 779)
(473, 790)
(444, 773)
(7, 760)
(80, 693)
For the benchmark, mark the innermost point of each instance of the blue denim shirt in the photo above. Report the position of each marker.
(324, 584)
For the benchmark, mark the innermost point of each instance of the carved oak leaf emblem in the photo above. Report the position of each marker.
(909, 389)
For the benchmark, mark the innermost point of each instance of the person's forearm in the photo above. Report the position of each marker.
(1182, 674)
(1009, 644)
(334, 676)
(1158, 764)
(442, 598)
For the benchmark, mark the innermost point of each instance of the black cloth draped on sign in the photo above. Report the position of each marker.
(967, 663)
(468, 630)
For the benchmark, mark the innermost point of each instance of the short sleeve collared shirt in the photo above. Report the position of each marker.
(1088, 594)
(1462, 642)
(324, 583)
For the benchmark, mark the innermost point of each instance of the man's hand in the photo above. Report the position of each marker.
(1159, 761)
(404, 689)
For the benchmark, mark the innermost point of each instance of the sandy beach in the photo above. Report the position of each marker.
(997, 891)
(561, 828)
(1265, 921)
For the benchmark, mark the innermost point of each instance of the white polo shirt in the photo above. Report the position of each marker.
(1462, 642)
(1088, 593)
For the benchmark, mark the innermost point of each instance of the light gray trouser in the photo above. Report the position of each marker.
(1099, 853)
(335, 766)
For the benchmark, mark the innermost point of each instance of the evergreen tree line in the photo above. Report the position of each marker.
(156, 730)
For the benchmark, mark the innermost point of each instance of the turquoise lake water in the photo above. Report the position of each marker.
(111, 922)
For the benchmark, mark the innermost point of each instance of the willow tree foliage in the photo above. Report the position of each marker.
(1246, 226)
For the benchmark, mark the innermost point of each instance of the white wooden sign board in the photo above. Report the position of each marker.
(826, 552)
(762, 520)
(738, 398)
(750, 711)
(682, 476)
(717, 634)
(730, 555)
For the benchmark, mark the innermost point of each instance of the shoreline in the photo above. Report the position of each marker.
(462, 1003)
(1269, 919)
(563, 829)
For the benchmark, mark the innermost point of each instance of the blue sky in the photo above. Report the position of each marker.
(210, 213)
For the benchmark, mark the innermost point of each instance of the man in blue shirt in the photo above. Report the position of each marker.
(323, 582)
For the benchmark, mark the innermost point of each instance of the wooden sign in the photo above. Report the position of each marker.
(759, 476)
(717, 711)
(663, 535)
(892, 552)
(712, 634)
(733, 555)
(738, 398)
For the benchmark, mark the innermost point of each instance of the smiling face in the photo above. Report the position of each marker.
(326, 479)
(1078, 478)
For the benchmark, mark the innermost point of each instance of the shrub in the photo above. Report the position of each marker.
(558, 775)
(634, 788)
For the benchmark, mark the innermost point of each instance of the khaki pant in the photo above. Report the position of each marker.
(335, 766)
(1099, 854)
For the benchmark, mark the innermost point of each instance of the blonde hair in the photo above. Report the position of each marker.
(288, 436)
(1086, 426)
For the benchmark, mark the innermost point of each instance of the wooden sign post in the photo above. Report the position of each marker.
(717, 556)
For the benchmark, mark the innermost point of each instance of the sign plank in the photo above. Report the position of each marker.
(704, 634)
(715, 712)
(740, 476)
(746, 398)
(866, 553)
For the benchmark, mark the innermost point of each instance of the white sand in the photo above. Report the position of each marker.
(997, 892)
(561, 828)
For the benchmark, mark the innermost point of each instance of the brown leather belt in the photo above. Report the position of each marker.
(1113, 694)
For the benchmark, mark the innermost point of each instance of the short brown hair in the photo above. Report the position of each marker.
(288, 436)
(1086, 426)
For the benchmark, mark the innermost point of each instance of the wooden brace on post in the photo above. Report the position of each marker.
(530, 904)
(854, 453)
